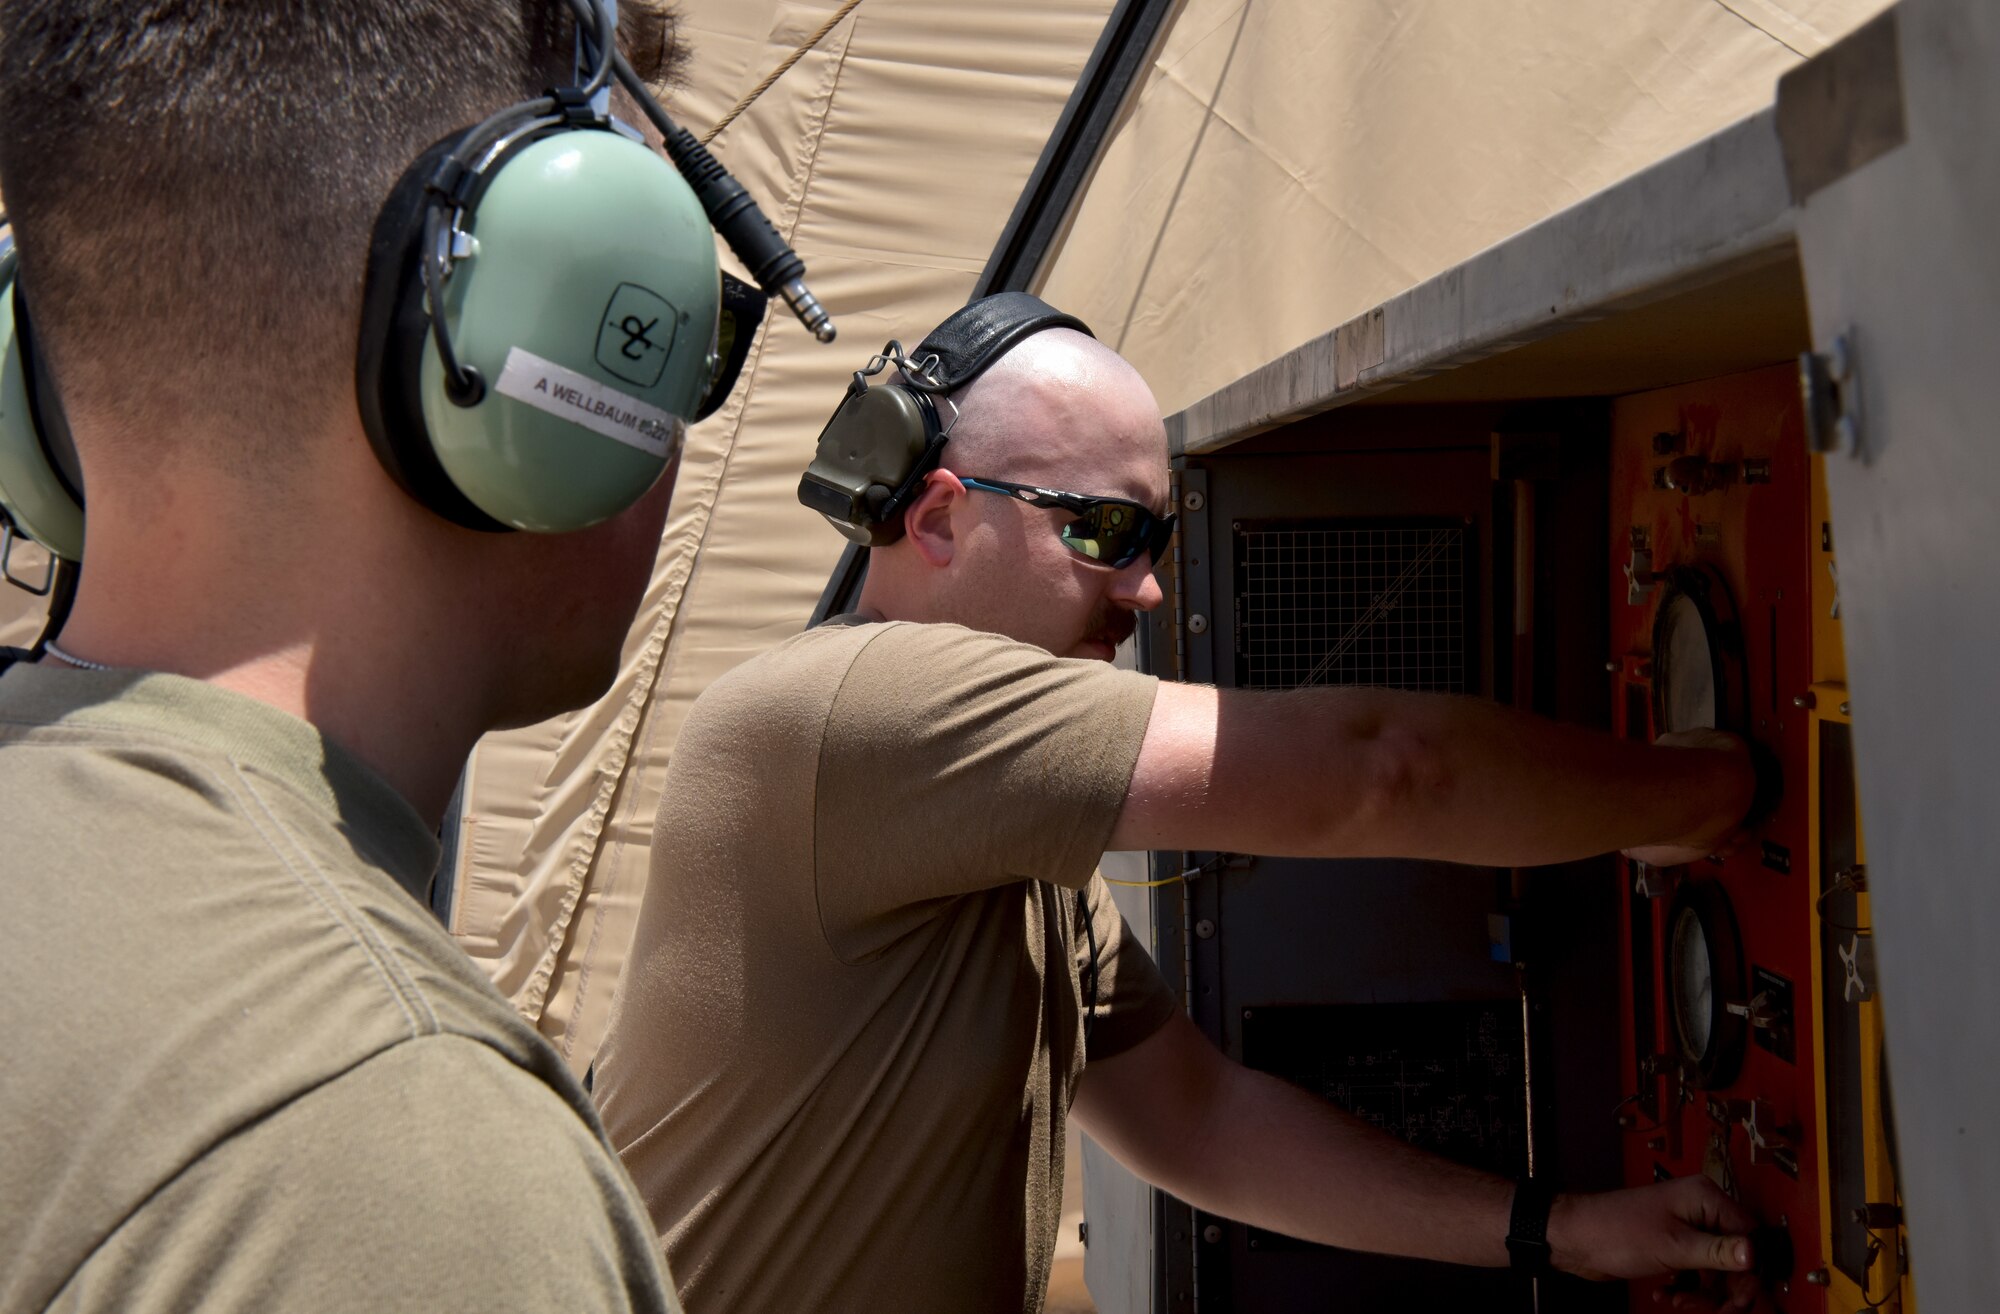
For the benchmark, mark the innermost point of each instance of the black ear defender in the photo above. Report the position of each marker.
(885, 437)
(41, 485)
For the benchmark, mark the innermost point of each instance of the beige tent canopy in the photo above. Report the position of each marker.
(890, 156)
(1277, 167)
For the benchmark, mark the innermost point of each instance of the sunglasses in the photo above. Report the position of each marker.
(1111, 531)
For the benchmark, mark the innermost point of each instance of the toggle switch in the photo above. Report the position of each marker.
(1762, 1012)
(1767, 1136)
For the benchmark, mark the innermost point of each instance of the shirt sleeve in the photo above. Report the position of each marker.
(955, 761)
(435, 1176)
(1133, 998)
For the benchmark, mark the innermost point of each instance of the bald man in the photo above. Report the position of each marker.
(875, 972)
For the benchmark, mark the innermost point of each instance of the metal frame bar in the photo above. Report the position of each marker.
(1058, 177)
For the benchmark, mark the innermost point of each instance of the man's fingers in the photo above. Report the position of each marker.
(1715, 1211)
(1705, 1250)
(1743, 1290)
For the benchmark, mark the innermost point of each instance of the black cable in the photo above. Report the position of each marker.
(1876, 1249)
(463, 383)
(731, 210)
(1634, 1100)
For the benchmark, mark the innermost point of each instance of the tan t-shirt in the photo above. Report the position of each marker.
(851, 1024)
(245, 1069)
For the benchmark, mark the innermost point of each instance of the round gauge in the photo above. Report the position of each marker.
(1694, 986)
(1687, 679)
(1695, 657)
(1705, 975)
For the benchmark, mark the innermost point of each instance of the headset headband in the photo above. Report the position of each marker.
(879, 445)
(982, 331)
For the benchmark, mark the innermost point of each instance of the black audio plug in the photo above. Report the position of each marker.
(731, 210)
(736, 215)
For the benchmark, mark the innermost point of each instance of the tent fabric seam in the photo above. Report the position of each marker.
(1724, 4)
(613, 774)
(1305, 187)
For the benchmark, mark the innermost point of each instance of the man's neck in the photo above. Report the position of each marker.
(335, 636)
(407, 720)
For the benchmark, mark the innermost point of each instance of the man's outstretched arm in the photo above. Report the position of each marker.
(1377, 773)
(1250, 1147)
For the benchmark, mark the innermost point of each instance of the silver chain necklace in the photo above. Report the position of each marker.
(61, 656)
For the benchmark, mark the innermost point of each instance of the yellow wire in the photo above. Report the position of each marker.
(1147, 885)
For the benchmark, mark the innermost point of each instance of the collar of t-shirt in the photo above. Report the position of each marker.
(376, 819)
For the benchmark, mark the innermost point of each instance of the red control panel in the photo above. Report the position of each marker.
(1712, 625)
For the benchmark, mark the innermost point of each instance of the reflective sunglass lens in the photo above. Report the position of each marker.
(1109, 532)
(1081, 536)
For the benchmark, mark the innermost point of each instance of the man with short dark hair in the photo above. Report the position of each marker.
(864, 987)
(246, 1069)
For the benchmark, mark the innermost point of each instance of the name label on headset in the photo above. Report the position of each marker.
(582, 400)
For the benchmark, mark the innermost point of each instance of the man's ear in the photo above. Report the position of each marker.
(929, 520)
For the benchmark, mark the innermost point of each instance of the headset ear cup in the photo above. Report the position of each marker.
(872, 454)
(583, 289)
(37, 493)
(885, 526)
(873, 443)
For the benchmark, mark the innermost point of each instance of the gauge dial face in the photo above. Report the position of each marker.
(1693, 986)
(1684, 658)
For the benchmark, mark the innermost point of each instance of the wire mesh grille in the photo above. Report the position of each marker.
(1380, 605)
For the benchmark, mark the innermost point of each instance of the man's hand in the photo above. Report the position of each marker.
(1722, 832)
(1686, 1224)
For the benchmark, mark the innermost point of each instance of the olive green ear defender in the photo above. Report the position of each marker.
(883, 439)
(542, 317)
(41, 489)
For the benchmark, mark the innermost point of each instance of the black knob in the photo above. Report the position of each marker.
(1771, 1255)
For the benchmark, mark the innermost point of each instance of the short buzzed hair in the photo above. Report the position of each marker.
(193, 183)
